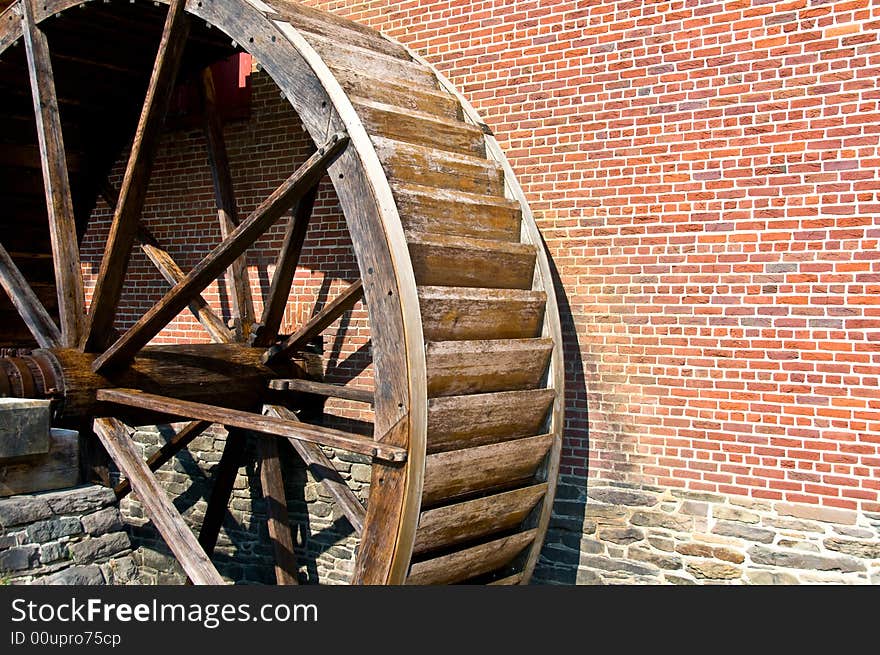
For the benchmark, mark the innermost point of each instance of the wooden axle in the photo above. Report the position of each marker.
(226, 375)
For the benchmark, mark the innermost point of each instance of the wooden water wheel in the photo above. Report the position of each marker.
(465, 333)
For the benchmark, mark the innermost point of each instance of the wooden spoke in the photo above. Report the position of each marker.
(285, 269)
(126, 218)
(255, 422)
(323, 389)
(173, 274)
(218, 503)
(318, 323)
(174, 445)
(159, 509)
(227, 210)
(322, 468)
(62, 223)
(222, 256)
(276, 510)
(29, 307)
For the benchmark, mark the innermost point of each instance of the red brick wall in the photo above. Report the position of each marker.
(704, 173)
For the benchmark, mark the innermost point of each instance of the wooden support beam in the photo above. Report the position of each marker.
(222, 256)
(227, 210)
(132, 195)
(272, 483)
(173, 446)
(224, 480)
(29, 307)
(323, 389)
(255, 422)
(285, 269)
(322, 468)
(317, 324)
(173, 274)
(62, 222)
(157, 506)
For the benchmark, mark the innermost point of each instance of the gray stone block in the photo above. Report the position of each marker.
(361, 472)
(742, 531)
(24, 427)
(621, 535)
(728, 513)
(761, 577)
(98, 548)
(53, 552)
(627, 497)
(80, 499)
(18, 558)
(52, 529)
(800, 560)
(23, 509)
(714, 570)
(588, 577)
(865, 549)
(670, 562)
(102, 521)
(609, 564)
(661, 520)
(75, 575)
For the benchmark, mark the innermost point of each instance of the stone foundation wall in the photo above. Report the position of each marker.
(622, 534)
(74, 536)
(325, 540)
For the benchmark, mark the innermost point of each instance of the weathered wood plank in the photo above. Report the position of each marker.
(454, 261)
(428, 210)
(227, 209)
(323, 389)
(470, 562)
(62, 222)
(378, 88)
(456, 422)
(206, 271)
(462, 367)
(317, 324)
(255, 422)
(285, 269)
(461, 313)
(272, 484)
(23, 298)
(461, 472)
(474, 519)
(322, 468)
(224, 480)
(158, 508)
(317, 24)
(420, 128)
(514, 579)
(126, 218)
(401, 71)
(437, 169)
(173, 446)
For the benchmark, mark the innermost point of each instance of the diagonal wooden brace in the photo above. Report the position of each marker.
(212, 266)
(161, 511)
